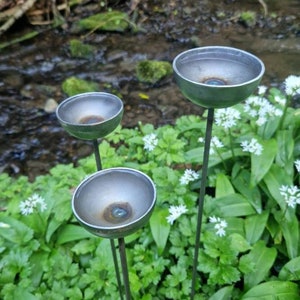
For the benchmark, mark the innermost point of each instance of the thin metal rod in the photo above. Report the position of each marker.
(114, 254)
(124, 267)
(209, 124)
(97, 155)
(112, 242)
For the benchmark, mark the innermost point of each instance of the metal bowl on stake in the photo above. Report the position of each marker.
(90, 116)
(216, 76)
(115, 202)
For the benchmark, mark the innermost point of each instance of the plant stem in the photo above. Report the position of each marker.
(231, 143)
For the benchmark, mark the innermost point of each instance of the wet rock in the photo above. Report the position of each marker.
(152, 71)
(72, 86)
(50, 106)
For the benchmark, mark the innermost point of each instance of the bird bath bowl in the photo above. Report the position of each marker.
(90, 116)
(217, 77)
(114, 202)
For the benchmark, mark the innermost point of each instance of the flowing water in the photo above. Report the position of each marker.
(31, 73)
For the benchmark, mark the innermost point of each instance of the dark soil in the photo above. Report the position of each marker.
(32, 141)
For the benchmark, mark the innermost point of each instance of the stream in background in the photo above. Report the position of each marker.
(31, 72)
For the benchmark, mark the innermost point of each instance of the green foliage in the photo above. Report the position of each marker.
(107, 21)
(151, 71)
(72, 86)
(81, 50)
(250, 233)
(248, 18)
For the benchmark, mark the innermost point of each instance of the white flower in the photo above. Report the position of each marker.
(150, 141)
(261, 108)
(220, 225)
(253, 146)
(280, 100)
(27, 206)
(214, 143)
(291, 195)
(188, 176)
(227, 117)
(262, 89)
(175, 212)
(292, 85)
(297, 165)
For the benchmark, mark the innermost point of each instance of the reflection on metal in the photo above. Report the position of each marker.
(216, 77)
(90, 116)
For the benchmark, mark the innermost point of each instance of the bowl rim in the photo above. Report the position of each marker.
(112, 228)
(81, 95)
(197, 49)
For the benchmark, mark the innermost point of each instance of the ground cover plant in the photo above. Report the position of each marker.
(250, 233)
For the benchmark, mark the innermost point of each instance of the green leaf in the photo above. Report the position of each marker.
(269, 128)
(284, 157)
(223, 294)
(264, 258)
(223, 186)
(15, 231)
(274, 179)
(160, 228)
(21, 293)
(260, 164)
(232, 206)
(71, 233)
(289, 225)
(52, 227)
(291, 270)
(241, 182)
(255, 225)
(279, 290)
(239, 243)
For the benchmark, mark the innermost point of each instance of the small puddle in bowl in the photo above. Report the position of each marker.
(117, 212)
(214, 81)
(91, 119)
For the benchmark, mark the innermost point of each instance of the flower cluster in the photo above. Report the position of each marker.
(280, 100)
(291, 195)
(214, 144)
(220, 225)
(292, 85)
(227, 117)
(188, 176)
(28, 206)
(260, 108)
(253, 146)
(150, 141)
(175, 212)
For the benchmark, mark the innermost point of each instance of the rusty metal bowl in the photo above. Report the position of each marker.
(90, 116)
(217, 77)
(115, 202)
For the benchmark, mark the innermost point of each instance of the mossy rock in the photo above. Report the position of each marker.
(73, 86)
(151, 71)
(108, 21)
(81, 50)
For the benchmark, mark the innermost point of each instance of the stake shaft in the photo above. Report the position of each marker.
(124, 267)
(112, 242)
(209, 124)
(97, 155)
(117, 271)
